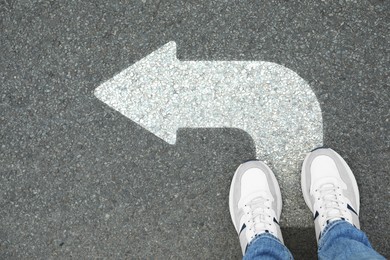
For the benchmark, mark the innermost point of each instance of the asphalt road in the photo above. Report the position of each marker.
(78, 179)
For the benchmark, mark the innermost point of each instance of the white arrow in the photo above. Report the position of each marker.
(268, 101)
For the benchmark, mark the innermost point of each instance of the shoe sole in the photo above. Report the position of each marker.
(306, 192)
(275, 183)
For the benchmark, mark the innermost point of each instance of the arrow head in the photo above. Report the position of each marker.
(137, 89)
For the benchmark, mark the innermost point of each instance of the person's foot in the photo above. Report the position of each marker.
(330, 189)
(255, 202)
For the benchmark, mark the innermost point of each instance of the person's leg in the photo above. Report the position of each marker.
(331, 192)
(341, 240)
(255, 205)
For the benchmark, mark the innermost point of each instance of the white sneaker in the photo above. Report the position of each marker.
(255, 202)
(330, 189)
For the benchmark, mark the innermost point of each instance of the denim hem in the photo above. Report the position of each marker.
(263, 235)
(279, 249)
(329, 227)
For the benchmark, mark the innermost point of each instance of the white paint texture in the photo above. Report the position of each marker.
(271, 103)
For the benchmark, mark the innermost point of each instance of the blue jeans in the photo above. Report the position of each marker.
(339, 240)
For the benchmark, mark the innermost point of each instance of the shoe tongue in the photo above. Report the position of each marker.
(328, 182)
(328, 185)
(333, 212)
(252, 196)
(334, 219)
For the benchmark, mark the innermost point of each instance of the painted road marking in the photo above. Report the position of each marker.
(268, 101)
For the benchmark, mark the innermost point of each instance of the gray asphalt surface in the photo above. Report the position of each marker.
(78, 179)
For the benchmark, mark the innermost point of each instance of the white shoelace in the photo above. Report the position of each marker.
(259, 214)
(333, 206)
